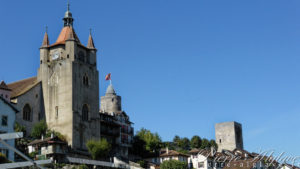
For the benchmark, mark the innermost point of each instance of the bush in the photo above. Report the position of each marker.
(39, 129)
(3, 159)
(174, 164)
(98, 149)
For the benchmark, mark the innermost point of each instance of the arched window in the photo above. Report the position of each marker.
(27, 112)
(85, 113)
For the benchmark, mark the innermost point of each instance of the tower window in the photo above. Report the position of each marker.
(85, 80)
(56, 112)
(220, 141)
(27, 112)
(85, 113)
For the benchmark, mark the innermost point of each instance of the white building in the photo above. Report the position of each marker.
(7, 119)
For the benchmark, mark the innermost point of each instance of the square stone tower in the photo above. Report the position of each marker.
(229, 136)
(70, 84)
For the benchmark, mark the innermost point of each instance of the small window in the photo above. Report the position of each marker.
(41, 61)
(4, 120)
(36, 95)
(85, 80)
(56, 112)
(220, 141)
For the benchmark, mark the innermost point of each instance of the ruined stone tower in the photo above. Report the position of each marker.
(69, 76)
(229, 136)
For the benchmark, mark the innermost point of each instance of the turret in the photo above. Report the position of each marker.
(111, 102)
(92, 50)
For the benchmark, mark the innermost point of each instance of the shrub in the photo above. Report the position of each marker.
(98, 148)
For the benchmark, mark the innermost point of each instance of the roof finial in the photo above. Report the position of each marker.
(68, 8)
(46, 29)
(90, 31)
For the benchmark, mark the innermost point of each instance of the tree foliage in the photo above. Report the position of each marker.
(152, 140)
(39, 129)
(173, 164)
(196, 142)
(205, 143)
(98, 148)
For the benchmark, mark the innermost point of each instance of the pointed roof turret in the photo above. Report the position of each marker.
(46, 39)
(91, 44)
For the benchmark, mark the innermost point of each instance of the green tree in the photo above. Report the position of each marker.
(138, 146)
(213, 143)
(39, 129)
(98, 148)
(184, 144)
(152, 140)
(196, 142)
(205, 143)
(173, 164)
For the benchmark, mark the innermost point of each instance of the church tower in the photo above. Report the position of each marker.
(69, 76)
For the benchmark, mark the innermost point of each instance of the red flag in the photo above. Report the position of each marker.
(107, 77)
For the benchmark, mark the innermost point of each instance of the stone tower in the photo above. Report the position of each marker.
(111, 102)
(69, 76)
(229, 136)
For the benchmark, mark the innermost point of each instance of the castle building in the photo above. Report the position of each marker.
(229, 136)
(65, 91)
(115, 123)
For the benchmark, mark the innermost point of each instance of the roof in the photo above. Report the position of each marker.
(241, 164)
(110, 90)
(91, 44)
(45, 40)
(4, 86)
(20, 87)
(9, 104)
(173, 153)
(49, 140)
(66, 33)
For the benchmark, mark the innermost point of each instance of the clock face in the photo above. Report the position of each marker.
(55, 56)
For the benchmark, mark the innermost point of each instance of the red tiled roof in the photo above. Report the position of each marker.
(66, 33)
(20, 87)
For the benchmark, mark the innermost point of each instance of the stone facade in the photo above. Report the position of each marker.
(229, 136)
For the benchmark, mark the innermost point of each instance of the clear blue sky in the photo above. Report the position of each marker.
(180, 66)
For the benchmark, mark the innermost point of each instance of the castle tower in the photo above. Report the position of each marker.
(69, 76)
(229, 136)
(111, 102)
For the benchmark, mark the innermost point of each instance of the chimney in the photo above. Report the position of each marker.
(5, 92)
(167, 150)
(42, 137)
(212, 150)
(52, 135)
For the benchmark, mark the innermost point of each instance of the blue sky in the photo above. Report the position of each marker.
(180, 66)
